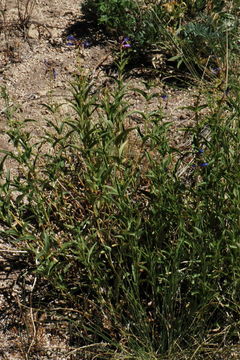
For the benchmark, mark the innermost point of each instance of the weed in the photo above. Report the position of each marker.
(154, 255)
(25, 11)
(143, 245)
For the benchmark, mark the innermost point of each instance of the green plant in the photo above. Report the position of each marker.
(189, 33)
(146, 252)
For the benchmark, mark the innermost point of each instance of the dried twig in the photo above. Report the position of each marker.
(87, 347)
(32, 320)
(25, 14)
(14, 251)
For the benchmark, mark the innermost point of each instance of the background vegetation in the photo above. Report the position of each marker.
(140, 237)
(193, 33)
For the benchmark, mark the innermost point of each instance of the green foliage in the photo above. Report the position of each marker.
(189, 32)
(149, 250)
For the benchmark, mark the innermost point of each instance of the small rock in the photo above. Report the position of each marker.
(33, 33)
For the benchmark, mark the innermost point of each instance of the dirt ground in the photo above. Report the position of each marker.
(36, 65)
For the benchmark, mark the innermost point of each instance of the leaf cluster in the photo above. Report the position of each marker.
(188, 32)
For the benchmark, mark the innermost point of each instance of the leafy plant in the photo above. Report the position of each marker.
(144, 248)
(187, 32)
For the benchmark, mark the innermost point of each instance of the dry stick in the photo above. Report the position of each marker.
(2, 111)
(101, 61)
(94, 72)
(227, 62)
(86, 347)
(13, 251)
(32, 320)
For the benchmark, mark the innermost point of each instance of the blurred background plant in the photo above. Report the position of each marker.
(190, 33)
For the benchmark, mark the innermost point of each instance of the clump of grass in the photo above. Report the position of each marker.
(148, 254)
(25, 11)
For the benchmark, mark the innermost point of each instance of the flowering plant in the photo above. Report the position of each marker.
(184, 31)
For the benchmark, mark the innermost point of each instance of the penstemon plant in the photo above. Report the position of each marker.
(145, 252)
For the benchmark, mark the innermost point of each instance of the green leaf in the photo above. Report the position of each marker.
(90, 252)
(122, 148)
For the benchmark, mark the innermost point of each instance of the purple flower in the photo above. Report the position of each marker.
(70, 37)
(54, 74)
(215, 70)
(200, 151)
(164, 96)
(71, 40)
(125, 43)
(86, 44)
(201, 165)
